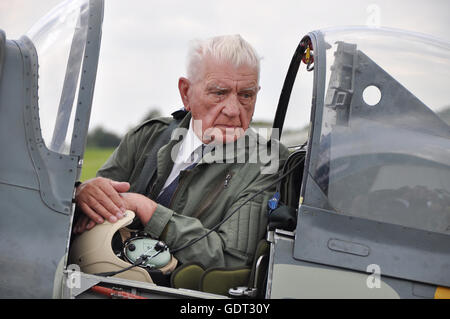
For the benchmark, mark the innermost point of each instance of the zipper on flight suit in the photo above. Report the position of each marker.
(211, 196)
(227, 180)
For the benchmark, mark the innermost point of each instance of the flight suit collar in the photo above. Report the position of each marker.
(164, 157)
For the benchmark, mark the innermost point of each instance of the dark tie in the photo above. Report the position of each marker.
(166, 196)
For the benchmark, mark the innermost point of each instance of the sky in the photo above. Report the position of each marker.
(144, 43)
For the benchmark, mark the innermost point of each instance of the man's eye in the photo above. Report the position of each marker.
(246, 95)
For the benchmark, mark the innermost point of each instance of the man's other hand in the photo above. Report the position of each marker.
(141, 205)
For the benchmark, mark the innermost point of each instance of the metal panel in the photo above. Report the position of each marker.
(12, 134)
(36, 184)
(2, 50)
(56, 172)
(32, 241)
(292, 278)
(146, 290)
(314, 197)
(399, 251)
(88, 76)
(32, 235)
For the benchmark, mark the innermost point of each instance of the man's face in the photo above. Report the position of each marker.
(223, 98)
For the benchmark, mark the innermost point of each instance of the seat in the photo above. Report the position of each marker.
(239, 281)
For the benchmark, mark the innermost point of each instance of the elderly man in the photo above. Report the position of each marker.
(184, 199)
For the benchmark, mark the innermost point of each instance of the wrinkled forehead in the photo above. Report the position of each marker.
(240, 86)
(212, 71)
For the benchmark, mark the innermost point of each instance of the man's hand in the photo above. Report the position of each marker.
(99, 199)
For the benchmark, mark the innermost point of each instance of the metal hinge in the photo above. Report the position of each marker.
(243, 292)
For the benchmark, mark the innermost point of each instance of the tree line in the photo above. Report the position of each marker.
(101, 138)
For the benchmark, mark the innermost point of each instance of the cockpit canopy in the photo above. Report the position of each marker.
(383, 129)
(60, 38)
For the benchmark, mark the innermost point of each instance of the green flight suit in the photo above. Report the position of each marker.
(206, 195)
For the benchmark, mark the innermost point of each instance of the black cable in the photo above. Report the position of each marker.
(298, 146)
(137, 262)
(279, 179)
(143, 258)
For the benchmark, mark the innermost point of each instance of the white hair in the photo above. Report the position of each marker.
(227, 48)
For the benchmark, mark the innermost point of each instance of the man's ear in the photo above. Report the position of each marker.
(183, 86)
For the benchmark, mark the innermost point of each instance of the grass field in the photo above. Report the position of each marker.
(94, 158)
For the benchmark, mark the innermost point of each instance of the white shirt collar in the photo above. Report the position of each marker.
(190, 143)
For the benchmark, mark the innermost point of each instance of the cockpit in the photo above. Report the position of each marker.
(368, 180)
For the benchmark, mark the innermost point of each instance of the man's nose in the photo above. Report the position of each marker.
(232, 106)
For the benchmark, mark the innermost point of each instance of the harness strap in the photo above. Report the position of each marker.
(285, 95)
